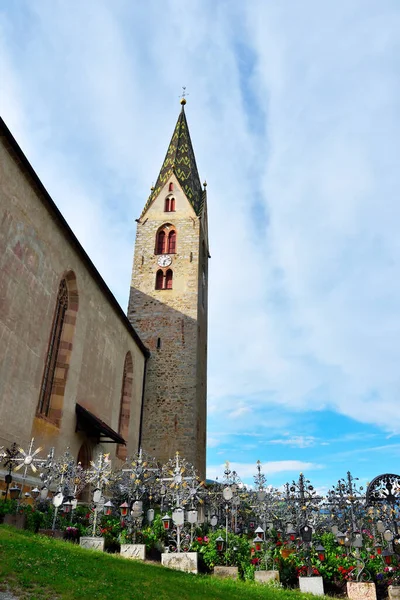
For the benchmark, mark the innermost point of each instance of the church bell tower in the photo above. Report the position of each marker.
(168, 305)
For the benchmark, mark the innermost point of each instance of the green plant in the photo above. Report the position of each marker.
(248, 572)
(237, 552)
(7, 507)
(110, 529)
(34, 518)
(274, 584)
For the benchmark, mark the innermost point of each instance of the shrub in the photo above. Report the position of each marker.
(237, 552)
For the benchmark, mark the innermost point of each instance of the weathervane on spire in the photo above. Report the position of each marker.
(183, 96)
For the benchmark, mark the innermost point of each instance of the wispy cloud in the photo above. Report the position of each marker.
(213, 442)
(298, 441)
(247, 470)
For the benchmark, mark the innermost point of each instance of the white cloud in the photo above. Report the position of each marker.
(239, 411)
(247, 470)
(213, 442)
(297, 441)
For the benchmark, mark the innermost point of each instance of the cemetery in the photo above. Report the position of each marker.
(344, 542)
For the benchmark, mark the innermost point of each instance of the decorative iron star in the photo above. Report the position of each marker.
(100, 471)
(27, 459)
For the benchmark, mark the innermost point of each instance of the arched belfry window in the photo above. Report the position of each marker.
(166, 240)
(125, 410)
(169, 204)
(168, 279)
(160, 245)
(51, 397)
(159, 280)
(172, 242)
(164, 280)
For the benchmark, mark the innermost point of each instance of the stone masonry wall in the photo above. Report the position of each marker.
(35, 253)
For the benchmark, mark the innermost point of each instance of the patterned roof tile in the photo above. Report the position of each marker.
(181, 161)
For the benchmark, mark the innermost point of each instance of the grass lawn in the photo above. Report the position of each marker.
(41, 568)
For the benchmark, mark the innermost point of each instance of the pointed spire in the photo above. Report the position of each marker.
(180, 161)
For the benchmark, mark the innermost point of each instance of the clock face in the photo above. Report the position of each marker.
(164, 260)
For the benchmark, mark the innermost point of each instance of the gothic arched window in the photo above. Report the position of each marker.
(168, 279)
(54, 347)
(161, 242)
(56, 366)
(169, 205)
(125, 410)
(171, 187)
(166, 240)
(159, 280)
(172, 242)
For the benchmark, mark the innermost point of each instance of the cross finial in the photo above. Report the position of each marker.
(183, 96)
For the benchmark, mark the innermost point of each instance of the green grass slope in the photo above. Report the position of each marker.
(37, 567)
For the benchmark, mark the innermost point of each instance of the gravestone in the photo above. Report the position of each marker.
(181, 561)
(312, 585)
(92, 543)
(226, 572)
(357, 590)
(17, 521)
(265, 576)
(394, 592)
(136, 551)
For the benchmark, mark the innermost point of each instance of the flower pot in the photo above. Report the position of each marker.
(286, 552)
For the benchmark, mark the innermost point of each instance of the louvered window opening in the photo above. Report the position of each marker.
(168, 280)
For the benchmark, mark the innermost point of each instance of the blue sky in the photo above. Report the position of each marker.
(294, 114)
